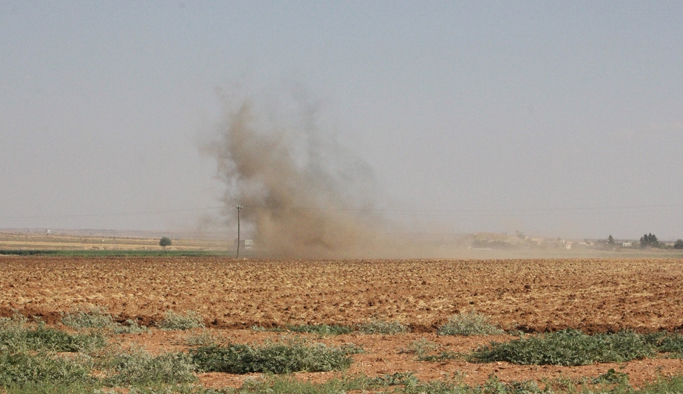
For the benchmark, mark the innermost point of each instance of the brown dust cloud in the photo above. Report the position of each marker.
(303, 194)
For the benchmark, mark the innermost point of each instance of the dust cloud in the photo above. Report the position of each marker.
(303, 194)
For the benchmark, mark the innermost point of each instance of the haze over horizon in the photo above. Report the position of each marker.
(550, 118)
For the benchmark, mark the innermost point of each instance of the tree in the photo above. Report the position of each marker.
(649, 240)
(678, 244)
(164, 242)
(610, 240)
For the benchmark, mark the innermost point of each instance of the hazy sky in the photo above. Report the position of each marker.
(548, 117)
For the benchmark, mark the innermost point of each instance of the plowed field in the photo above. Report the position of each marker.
(527, 295)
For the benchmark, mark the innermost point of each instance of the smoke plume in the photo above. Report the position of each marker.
(303, 194)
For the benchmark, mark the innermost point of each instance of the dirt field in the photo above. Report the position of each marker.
(527, 295)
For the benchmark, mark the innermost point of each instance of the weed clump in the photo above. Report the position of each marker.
(425, 350)
(322, 329)
(130, 327)
(277, 358)
(21, 369)
(671, 343)
(99, 318)
(568, 347)
(95, 317)
(179, 321)
(471, 323)
(142, 368)
(17, 336)
(382, 327)
(203, 338)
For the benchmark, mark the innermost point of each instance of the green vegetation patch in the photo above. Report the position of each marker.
(277, 358)
(17, 336)
(425, 350)
(322, 329)
(142, 368)
(671, 343)
(568, 347)
(382, 327)
(471, 323)
(405, 383)
(179, 321)
(203, 338)
(98, 318)
(19, 369)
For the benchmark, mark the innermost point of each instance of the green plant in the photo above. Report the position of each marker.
(94, 317)
(22, 369)
(98, 318)
(611, 377)
(140, 367)
(421, 348)
(382, 327)
(203, 338)
(271, 357)
(667, 385)
(678, 244)
(569, 347)
(322, 329)
(291, 385)
(395, 379)
(131, 327)
(179, 321)
(664, 342)
(15, 336)
(471, 323)
(271, 329)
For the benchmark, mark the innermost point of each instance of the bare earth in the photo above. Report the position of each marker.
(529, 295)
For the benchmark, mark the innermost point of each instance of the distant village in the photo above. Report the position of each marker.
(485, 241)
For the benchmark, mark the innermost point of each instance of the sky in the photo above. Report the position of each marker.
(561, 119)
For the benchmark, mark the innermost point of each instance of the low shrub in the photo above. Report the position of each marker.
(382, 327)
(142, 368)
(275, 358)
(99, 318)
(203, 338)
(322, 329)
(18, 337)
(671, 343)
(471, 323)
(23, 369)
(421, 348)
(94, 317)
(611, 377)
(269, 329)
(666, 385)
(395, 379)
(130, 327)
(292, 385)
(569, 347)
(179, 321)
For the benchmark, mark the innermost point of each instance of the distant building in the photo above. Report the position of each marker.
(244, 243)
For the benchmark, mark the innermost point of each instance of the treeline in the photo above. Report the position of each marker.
(648, 240)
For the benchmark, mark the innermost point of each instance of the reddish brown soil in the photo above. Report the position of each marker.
(531, 295)
(386, 354)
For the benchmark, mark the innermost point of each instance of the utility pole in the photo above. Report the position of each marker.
(239, 208)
